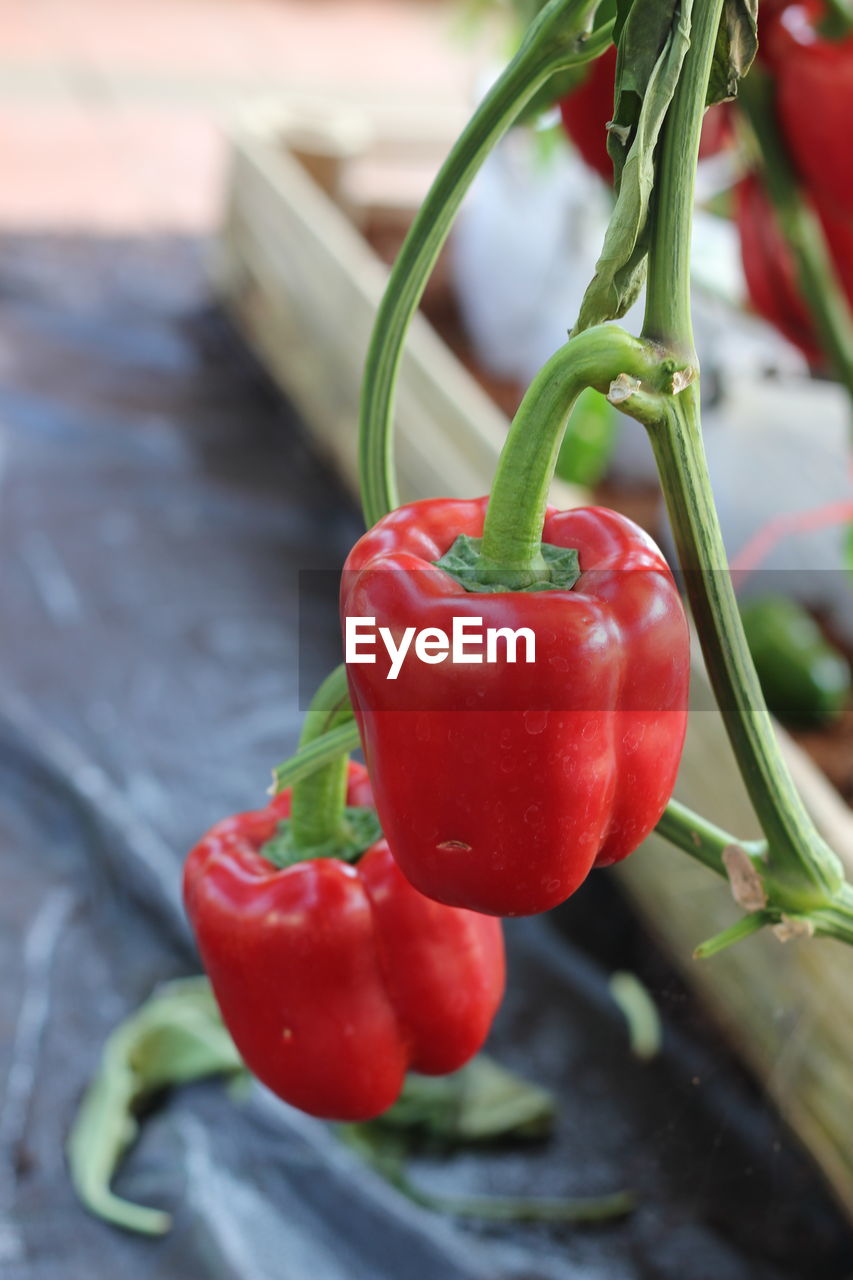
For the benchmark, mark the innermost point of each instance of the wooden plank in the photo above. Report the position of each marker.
(304, 287)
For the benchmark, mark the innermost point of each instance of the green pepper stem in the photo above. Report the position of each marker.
(318, 799)
(668, 319)
(513, 528)
(701, 839)
(745, 927)
(802, 871)
(824, 297)
(559, 38)
(706, 843)
(307, 760)
(804, 863)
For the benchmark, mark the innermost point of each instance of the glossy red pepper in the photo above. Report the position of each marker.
(586, 111)
(814, 87)
(769, 267)
(334, 979)
(500, 786)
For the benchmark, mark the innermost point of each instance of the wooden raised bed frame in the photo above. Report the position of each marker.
(303, 285)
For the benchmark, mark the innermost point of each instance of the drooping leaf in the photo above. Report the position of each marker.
(654, 38)
(736, 47)
(483, 1102)
(175, 1037)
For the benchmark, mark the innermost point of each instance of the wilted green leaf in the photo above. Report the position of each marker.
(737, 45)
(654, 38)
(483, 1102)
(175, 1037)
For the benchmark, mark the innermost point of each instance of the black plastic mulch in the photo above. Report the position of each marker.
(156, 502)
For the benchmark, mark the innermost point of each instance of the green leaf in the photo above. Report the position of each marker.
(654, 38)
(175, 1037)
(483, 1102)
(320, 751)
(737, 45)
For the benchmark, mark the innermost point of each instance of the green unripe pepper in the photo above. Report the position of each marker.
(589, 440)
(805, 681)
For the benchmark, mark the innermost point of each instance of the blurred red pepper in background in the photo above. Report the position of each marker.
(586, 111)
(769, 267)
(814, 86)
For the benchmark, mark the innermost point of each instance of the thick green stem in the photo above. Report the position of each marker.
(801, 869)
(559, 38)
(321, 751)
(512, 535)
(668, 319)
(701, 839)
(798, 859)
(836, 920)
(818, 280)
(318, 800)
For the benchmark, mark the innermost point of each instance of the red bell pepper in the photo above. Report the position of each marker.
(334, 979)
(814, 83)
(770, 271)
(587, 109)
(500, 786)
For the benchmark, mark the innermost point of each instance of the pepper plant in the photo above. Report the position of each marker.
(304, 897)
(673, 60)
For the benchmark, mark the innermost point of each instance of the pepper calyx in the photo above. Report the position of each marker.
(359, 830)
(463, 562)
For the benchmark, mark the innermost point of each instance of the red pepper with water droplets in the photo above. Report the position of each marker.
(499, 786)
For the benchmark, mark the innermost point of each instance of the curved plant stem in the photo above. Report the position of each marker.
(559, 38)
(322, 750)
(804, 863)
(512, 533)
(318, 799)
(701, 839)
(318, 771)
(802, 871)
(822, 293)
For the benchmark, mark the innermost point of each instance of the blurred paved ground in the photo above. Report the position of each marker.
(112, 111)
